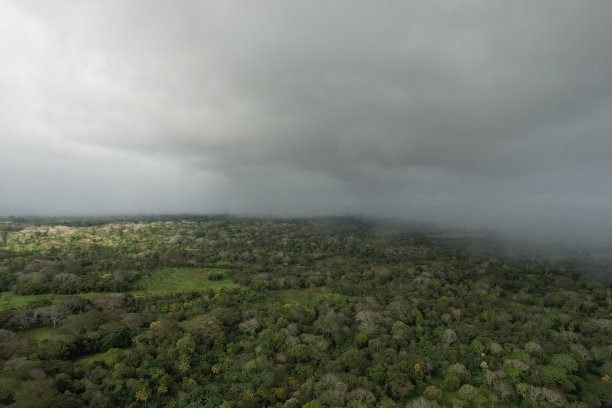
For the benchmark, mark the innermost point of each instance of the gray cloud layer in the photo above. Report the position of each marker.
(477, 110)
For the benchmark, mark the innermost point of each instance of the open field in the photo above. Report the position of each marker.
(160, 281)
(8, 300)
(169, 280)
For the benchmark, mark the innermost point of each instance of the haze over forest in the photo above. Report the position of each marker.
(477, 113)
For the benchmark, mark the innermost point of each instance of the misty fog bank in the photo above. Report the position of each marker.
(500, 239)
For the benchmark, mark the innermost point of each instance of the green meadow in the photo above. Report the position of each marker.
(8, 300)
(159, 281)
(170, 280)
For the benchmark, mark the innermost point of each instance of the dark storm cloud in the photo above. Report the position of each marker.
(483, 109)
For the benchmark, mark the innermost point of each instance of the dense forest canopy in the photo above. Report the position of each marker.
(190, 311)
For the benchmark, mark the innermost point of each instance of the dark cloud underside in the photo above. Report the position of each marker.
(477, 110)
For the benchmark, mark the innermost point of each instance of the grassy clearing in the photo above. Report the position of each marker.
(160, 281)
(9, 300)
(168, 280)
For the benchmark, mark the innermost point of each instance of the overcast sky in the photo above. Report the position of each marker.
(466, 111)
